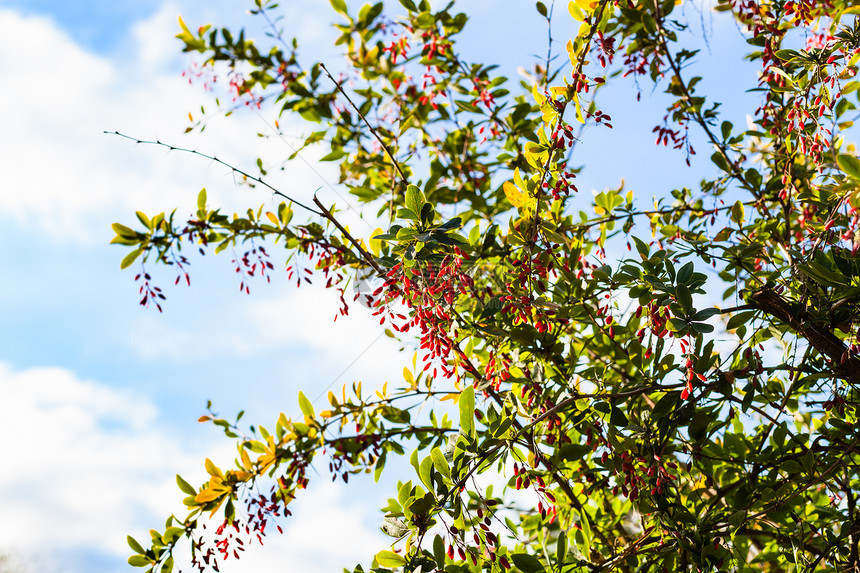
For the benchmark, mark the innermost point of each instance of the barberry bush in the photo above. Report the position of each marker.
(666, 386)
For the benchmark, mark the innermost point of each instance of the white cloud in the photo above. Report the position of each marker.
(293, 329)
(65, 178)
(83, 463)
(329, 531)
(157, 55)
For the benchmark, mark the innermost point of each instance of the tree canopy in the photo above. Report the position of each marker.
(658, 387)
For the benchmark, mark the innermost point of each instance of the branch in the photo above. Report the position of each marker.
(822, 339)
(367, 123)
(364, 254)
(697, 115)
(232, 168)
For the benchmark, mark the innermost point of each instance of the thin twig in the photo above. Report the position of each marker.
(365, 255)
(339, 88)
(232, 168)
(687, 97)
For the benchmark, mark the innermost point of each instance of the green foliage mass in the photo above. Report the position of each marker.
(636, 419)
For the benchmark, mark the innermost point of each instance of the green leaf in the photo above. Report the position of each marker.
(414, 199)
(739, 319)
(404, 213)
(665, 405)
(390, 559)
(685, 299)
(201, 199)
(171, 534)
(527, 563)
(440, 463)
(467, 411)
(685, 273)
(642, 247)
(129, 259)
(790, 81)
(698, 427)
(850, 165)
(749, 394)
(334, 155)
(702, 327)
(617, 418)
(305, 405)
(786, 55)
(561, 548)
(135, 546)
(140, 561)
(339, 6)
(123, 231)
(439, 552)
(720, 162)
(424, 472)
(574, 452)
(738, 213)
(706, 313)
(185, 486)
(541, 8)
(380, 465)
(141, 216)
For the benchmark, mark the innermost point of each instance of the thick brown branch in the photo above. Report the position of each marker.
(822, 339)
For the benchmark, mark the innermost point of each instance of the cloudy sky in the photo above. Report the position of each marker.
(98, 396)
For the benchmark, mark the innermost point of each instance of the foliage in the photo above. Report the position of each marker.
(634, 425)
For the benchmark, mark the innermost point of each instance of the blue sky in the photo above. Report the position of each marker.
(100, 396)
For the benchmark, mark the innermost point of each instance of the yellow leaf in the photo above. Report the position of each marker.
(587, 6)
(518, 178)
(183, 26)
(514, 194)
(273, 218)
(579, 117)
(575, 11)
(375, 244)
(539, 97)
(212, 469)
(239, 476)
(265, 460)
(407, 375)
(326, 414)
(246, 459)
(208, 495)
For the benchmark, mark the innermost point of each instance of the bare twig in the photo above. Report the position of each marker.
(367, 123)
(232, 168)
(364, 254)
